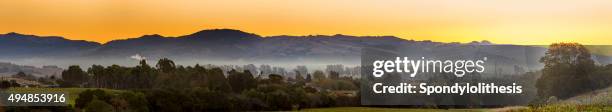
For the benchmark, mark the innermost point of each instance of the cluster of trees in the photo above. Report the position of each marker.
(170, 87)
(7, 84)
(24, 76)
(102, 101)
(569, 71)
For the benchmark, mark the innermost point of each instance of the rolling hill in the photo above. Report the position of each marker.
(228, 46)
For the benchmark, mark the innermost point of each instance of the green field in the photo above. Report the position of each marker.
(73, 93)
(594, 101)
(569, 108)
(376, 109)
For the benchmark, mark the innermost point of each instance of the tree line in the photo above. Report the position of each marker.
(171, 87)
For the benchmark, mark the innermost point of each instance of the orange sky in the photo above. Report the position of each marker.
(500, 21)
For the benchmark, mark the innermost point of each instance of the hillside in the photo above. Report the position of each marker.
(229, 46)
(597, 97)
(8, 69)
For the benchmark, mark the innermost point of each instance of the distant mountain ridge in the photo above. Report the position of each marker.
(20, 45)
(235, 47)
(215, 43)
(228, 46)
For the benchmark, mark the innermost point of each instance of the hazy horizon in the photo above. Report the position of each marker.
(520, 22)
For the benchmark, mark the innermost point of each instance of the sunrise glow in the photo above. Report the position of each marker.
(506, 22)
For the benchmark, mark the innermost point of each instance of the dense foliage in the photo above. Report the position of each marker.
(569, 71)
(170, 87)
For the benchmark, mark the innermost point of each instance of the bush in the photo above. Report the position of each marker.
(98, 106)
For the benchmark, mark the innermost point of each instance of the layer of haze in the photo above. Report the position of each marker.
(500, 21)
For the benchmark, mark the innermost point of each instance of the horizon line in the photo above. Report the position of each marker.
(289, 35)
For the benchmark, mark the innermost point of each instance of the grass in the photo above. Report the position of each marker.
(598, 101)
(595, 101)
(377, 109)
(73, 93)
(568, 108)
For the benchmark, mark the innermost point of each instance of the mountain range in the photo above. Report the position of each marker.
(229, 46)
(212, 45)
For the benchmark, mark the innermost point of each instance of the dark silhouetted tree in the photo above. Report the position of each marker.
(166, 65)
(275, 78)
(566, 69)
(334, 75)
(98, 75)
(217, 81)
(318, 75)
(20, 74)
(74, 76)
(308, 78)
(241, 81)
